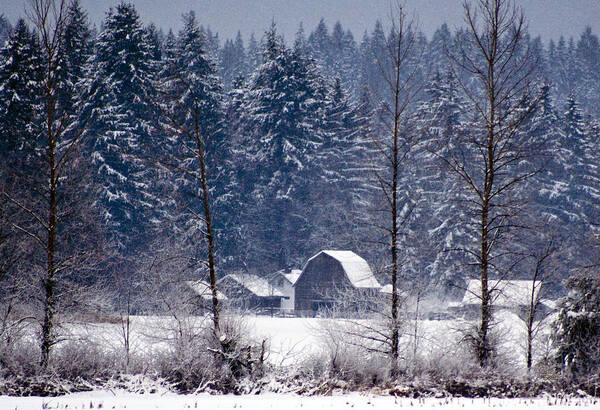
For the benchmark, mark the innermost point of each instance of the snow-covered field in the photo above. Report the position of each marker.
(170, 401)
(292, 339)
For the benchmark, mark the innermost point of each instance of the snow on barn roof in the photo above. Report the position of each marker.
(506, 293)
(356, 268)
(202, 289)
(258, 286)
(293, 276)
(387, 289)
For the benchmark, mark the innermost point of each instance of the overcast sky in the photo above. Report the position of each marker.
(548, 18)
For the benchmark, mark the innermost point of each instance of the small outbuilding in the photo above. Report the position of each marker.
(250, 292)
(284, 280)
(511, 295)
(202, 295)
(331, 276)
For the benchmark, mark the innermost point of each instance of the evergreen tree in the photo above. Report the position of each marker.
(212, 42)
(373, 57)
(442, 119)
(436, 50)
(232, 60)
(300, 42)
(577, 330)
(120, 97)
(20, 94)
(155, 40)
(340, 179)
(319, 44)
(76, 48)
(253, 55)
(344, 56)
(587, 76)
(285, 103)
(588, 49)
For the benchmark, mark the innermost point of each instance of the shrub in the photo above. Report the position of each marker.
(83, 359)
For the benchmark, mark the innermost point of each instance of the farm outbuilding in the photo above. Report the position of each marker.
(511, 295)
(202, 295)
(284, 280)
(250, 292)
(331, 277)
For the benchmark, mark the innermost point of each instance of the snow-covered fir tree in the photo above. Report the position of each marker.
(193, 114)
(285, 102)
(233, 60)
(120, 100)
(76, 49)
(20, 93)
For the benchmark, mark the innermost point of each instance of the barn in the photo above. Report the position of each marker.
(329, 276)
(250, 292)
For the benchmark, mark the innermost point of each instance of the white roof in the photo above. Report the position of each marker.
(259, 286)
(504, 293)
(202, 289)
(356, 268)
(386, 289)
(293, 276)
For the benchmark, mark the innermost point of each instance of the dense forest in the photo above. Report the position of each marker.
(288, 130)
(135, 159)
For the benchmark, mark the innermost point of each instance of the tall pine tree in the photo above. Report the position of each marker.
(120, 96)
(285, 105)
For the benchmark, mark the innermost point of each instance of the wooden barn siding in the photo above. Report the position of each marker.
(322, 276)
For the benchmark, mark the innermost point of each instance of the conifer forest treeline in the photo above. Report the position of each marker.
(291, 133)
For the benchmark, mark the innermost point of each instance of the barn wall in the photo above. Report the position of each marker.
(322, 278)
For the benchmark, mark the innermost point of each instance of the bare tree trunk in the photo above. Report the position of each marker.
(394, 231)
(503, 68)
(394, 152)
(416, 328)
(208, 223)
(529, 354)
(50, 284)
(49, 213)
(194, 134)
(544, 265)
(49, 19)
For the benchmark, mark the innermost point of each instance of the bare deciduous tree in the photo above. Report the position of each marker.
(497, 71)
(53, 212)
(191, 112)
(393, 148)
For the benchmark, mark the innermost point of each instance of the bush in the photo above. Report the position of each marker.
(82, 359)
(198, 360)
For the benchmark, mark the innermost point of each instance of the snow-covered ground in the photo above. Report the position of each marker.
(292, 339)
(170, 401)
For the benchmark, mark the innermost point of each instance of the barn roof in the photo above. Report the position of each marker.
(293, 276)
(202, 289)
(506, 293)
(356, 268)
(258, 286)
